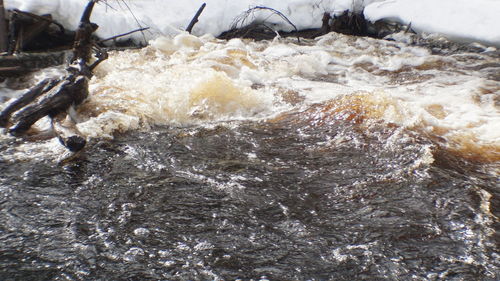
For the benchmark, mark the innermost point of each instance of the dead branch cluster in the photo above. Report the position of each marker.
(30, 32)
(54, 97)
(30, 42)
(22, 33)
(57, 96)
(249, 25)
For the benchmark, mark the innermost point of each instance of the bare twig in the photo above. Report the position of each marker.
(124, 34)
(135, 18)
(108, 5)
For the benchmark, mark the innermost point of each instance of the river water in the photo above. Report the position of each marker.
(339, 158)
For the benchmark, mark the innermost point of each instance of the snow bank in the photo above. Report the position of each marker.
(169, 17)
(462, 20)
(477, 20)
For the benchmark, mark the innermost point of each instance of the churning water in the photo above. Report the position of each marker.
(339, 158)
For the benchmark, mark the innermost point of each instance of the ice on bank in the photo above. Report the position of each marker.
(477, 20)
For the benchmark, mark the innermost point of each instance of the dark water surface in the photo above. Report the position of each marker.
(277, 200)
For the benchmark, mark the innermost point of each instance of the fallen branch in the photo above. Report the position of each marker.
(8, 71)
(27, 30)
(71, 91)
(25, 36)
(25, 99)
(133, 15)
(55, 97)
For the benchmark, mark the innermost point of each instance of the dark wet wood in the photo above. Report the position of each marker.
(3, 29)
(26, 35)
(30, 32)
(346, 23)
(313, 32)
(66, 131)
(82, 48)
(25, 99)
(71, 91)
(43, 18)
(55, 97)
(24, 63)
(350, 23)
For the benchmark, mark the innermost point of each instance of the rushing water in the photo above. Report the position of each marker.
(339, 158)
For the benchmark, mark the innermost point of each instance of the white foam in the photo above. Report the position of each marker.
(186, 80)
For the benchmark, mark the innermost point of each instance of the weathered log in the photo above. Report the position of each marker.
(25, 99)
(55, 97)
(71, 91)
(3, 29)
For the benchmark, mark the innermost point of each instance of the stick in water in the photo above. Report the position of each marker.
(195, 18)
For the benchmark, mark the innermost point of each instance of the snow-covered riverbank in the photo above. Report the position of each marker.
(457, 19)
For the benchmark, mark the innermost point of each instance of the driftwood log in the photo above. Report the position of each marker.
(30, 32)
(55, 97)
(3, 29)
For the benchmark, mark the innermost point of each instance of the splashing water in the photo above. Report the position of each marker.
(338, 158)
(191, 80)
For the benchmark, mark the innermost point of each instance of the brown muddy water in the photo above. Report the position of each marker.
(340, 158)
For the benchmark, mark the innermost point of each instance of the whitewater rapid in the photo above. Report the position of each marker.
(188, 80)
(195, 80)
(225, 160)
